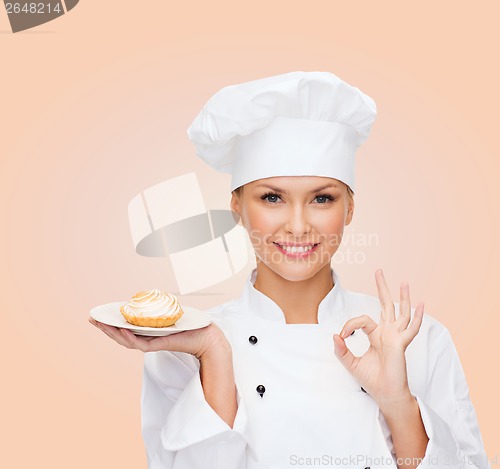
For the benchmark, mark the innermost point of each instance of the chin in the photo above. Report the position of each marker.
(297, 272)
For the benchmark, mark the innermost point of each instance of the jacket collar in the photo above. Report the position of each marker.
(330, 310)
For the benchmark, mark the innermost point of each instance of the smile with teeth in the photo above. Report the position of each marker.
(296, 248)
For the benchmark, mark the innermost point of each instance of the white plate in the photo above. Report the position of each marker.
(110, 314)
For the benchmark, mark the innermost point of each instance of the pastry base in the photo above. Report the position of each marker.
(160, 321)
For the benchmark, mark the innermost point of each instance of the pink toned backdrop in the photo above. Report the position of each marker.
(95, 107)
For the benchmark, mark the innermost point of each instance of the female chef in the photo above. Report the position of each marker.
(299, 371)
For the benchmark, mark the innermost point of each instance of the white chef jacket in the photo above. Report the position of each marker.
(313, 412)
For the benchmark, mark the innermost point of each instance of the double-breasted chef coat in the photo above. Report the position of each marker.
(297, 405)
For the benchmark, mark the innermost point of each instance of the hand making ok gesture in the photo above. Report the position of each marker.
(381, 371)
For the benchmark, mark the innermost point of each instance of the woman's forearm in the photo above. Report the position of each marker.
(407, 430)
(217, 379)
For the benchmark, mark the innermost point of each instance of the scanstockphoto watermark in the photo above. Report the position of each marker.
(353, 460)
(364, 460)
(348, 248)
(353, 249)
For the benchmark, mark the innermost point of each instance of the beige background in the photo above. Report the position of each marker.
(94, 109)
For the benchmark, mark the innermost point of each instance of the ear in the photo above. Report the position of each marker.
(235, 208)
(350, 211)
(235, 203)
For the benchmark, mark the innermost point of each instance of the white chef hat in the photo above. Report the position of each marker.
(293, 124)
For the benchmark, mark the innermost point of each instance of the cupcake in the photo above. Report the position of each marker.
(153, 308)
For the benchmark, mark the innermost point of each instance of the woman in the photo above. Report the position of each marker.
(299, 371)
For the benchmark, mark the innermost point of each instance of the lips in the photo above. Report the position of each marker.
(297, 248)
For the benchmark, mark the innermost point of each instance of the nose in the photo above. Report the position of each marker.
(297, 222)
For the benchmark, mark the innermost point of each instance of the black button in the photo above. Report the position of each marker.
(252, 339)
(353, 332)
(363, 389)
(261, 390)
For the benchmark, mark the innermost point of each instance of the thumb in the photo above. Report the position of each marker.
(344, 355)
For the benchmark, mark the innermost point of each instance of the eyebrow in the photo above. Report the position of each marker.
(282, 191)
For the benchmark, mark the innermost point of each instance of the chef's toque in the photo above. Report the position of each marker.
(293, 124)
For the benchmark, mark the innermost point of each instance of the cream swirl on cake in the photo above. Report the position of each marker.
(153, 308)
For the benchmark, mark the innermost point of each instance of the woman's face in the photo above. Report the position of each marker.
(283, 213)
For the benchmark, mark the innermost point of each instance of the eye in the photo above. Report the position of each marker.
(325, 198)
(322, 199)
(271, 197)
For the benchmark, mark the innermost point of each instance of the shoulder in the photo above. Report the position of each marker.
(223, 314)
(222, 310)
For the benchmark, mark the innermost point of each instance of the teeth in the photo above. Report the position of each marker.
(297, 249)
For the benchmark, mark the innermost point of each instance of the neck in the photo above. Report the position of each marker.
(299, 300)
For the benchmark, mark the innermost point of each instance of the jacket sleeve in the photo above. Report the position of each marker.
(179, 428)
(447, 413)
